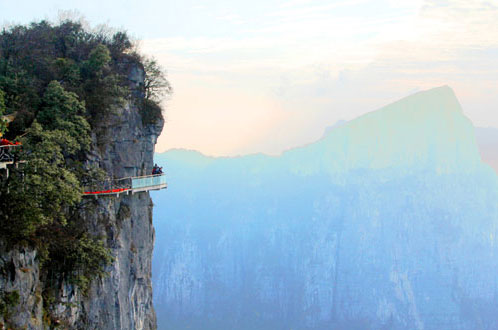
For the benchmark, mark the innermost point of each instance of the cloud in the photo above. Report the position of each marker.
(311, 63)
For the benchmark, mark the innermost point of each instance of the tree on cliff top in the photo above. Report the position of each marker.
(156, 86)
(93, 65)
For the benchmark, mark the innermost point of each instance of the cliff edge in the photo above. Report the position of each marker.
(122, 146)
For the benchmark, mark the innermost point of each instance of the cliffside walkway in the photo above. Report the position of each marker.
(7, 158)
(110, 187)
(129, 185)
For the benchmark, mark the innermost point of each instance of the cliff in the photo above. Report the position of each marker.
(425, 130)
(123, 146)
(487, 139)
(388, 222)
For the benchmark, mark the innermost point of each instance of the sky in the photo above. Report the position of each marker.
(269, 75)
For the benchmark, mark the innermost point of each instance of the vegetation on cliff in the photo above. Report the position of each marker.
(62, 82)
(2, 110)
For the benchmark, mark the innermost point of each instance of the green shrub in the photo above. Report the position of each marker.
(8, 300)
(2, 111)
(150, 112)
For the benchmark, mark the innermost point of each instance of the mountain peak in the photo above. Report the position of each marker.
(425, 129)
(428, 103)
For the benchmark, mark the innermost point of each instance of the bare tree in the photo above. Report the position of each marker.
(156, 86)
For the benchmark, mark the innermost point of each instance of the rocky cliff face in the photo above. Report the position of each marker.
(20, 276)
(123, 146)
(389, 222)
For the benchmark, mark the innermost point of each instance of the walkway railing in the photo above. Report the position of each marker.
(5, 153)
(149, 181)
(7, 157)
(127, 185)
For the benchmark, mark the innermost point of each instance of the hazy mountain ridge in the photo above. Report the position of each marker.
(487, 139)
(389, 221)
(424, 129)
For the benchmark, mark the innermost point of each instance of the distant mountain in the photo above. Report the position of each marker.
(388, 222)
(424, 129)
(486, 137)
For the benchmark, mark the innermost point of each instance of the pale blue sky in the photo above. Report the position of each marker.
(267, 75)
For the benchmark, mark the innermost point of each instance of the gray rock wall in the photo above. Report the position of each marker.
(19, 275)
(123, 147)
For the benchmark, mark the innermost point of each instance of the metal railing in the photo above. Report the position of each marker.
(5, 154)
(108, 187)
(132, 184)
(148, 181)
